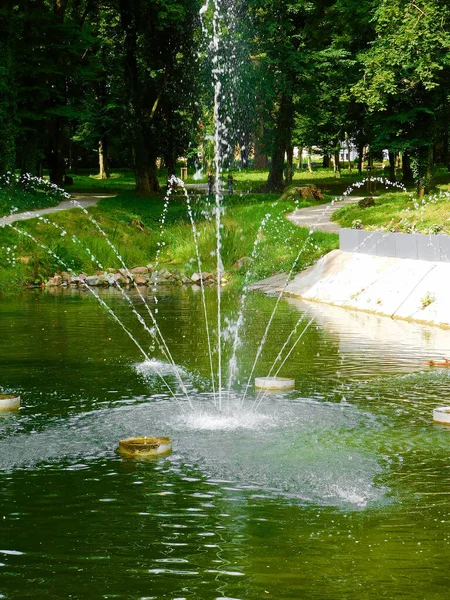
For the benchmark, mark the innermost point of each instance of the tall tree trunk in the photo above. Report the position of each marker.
(275, 179)
(430, 170)
(360, 158)
(424, 167)
(326, 161)
(55, 157)
(171, 164)
(144, 153)
(7, 102)
(445, 127)
(349, 150)
(392, 165)
(260, 156)
(245, 155)
(260, 160)
(364, 157)
(337, 164)
(282, 140)
(300, 158)
(145, 169)
(289, 164)
(103, 162)
(445, 149)
(309, 160)
(408, 176)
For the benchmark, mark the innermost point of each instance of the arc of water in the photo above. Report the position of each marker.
(280, 295)
(102, 303)
(217, 164)
(280, 353)
(240, 319)
(387, 183)
(255, 408)
(266, 331)
(311, 231)
(161, 233)
(128, 299)
(150, 312)
(199, 265)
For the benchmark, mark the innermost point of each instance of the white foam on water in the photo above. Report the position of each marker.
(205, 420)
(302, 449)
(155, 367)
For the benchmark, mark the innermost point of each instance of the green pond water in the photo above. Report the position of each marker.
(339, 489)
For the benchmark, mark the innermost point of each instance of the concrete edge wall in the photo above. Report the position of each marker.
(415, 246)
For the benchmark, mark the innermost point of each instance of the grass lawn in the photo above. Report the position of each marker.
(400, 212)
(245, 180)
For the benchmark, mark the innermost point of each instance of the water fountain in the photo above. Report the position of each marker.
(223, 408)
(261, 489)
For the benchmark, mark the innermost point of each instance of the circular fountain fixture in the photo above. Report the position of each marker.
(145, 447)
(441, 414)
(9, 401)
(274, 383)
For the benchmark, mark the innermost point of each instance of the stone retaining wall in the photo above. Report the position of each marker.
(415, 246)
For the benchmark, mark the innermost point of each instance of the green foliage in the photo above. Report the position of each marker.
(428, 299)
(136, 77)
(410, 51)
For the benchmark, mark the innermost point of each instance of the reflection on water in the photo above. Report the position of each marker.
(334, 490)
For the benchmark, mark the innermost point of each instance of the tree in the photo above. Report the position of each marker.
(404, 71)
(7, 87)
(157, 46)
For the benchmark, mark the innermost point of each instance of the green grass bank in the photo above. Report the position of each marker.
(133, 225)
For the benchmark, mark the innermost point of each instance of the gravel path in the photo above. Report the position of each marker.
(318, 217)
(84, 200)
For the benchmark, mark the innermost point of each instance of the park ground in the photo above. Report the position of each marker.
(133, 225)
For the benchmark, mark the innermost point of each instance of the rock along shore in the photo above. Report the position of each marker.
(138, 276)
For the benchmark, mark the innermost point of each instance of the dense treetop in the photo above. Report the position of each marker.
(130, 81)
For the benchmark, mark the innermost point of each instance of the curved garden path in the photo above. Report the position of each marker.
(84, 200)
(318, 217)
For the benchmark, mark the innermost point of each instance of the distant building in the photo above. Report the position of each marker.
(344, 152)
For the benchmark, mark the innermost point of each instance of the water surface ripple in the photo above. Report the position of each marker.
(338, 489)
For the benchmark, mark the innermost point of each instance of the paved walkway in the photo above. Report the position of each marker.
(318, 217)
(84, 200)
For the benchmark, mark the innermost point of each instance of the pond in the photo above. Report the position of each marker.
(339, 489)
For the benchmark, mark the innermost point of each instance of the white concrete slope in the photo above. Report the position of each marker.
(414, 290)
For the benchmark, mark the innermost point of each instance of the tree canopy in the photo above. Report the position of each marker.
(130, 81)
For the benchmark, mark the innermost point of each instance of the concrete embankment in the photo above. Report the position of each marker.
(414, 290)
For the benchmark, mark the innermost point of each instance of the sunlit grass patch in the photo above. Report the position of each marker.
(402, 212)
